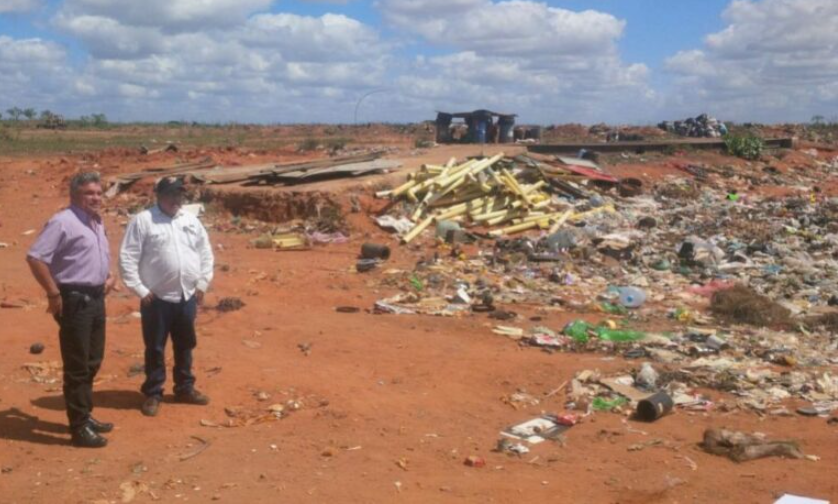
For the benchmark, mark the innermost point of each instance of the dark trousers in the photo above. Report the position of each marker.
(82, 340)
(160, 319)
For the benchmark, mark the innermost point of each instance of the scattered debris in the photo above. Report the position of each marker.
(44, 372)
(170, 147)
(701, 126)
(375, 251)
(795, 499)
(741, 447)
(200, 449)
(654, 407)
(474, 461)
(538, 430)
(129, 490)
(135, 369)
(229, 304)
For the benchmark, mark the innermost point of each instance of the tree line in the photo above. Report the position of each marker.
(16, 113)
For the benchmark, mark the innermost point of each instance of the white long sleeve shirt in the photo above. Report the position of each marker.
(169, 256)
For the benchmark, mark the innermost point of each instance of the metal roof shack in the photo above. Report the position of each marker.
(479, 126)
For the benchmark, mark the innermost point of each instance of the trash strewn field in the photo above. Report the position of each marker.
(465, 323)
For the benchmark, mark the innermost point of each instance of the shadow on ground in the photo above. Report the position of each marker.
(105, 399)
(19, 426)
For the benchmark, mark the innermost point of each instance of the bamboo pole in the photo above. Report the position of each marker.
(559, 223)
(402, 188)
(413, 233)
(517, 228)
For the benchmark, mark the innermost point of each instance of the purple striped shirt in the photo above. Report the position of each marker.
(75, 246)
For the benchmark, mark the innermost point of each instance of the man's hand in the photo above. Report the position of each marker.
(110, 285)
(199, 296)
(55, 306)
(146, 301)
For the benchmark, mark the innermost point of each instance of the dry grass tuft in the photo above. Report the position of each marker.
(741, 305)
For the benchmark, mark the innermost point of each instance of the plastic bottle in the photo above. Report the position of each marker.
(618, 335)
(603, 404)
(613, 309)
(632, 297)
(578, 330)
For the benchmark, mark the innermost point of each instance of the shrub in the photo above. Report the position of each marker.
(309, 144)
(746, 147)
(336, 144)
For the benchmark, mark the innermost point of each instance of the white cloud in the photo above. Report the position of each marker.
(331, 37)
(152, 66)
(31, 70)
(549, 64)
(226, 60)
(775, 61)
(108, 38)
(516, 27)
(168, 15)
(18, 6)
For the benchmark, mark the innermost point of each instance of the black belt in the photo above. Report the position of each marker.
(94, 291)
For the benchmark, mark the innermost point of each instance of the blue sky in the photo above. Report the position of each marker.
(618, 61)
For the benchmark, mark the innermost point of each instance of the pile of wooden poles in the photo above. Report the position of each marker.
(480, 192)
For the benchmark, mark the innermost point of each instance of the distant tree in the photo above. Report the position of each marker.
(1, 116)
(85, 121)
(46, 114)
(817, 120)
(30, 113)
(14, 112)
(99, 120)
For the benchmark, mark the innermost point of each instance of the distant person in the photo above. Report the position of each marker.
(71, 261)
(166, 259)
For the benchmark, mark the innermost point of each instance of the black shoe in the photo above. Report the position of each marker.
(151, 406)
(192, 397)
(100, 427)
(86, 437)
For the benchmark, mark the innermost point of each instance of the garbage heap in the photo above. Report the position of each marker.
(503, 196)
(746, 285)
(702, 126)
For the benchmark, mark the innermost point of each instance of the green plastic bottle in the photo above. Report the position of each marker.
(578, 330)
(613, 309)
(603, 404)
(607, 334)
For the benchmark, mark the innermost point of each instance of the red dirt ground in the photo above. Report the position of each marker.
(390, 405)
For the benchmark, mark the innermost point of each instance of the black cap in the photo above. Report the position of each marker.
(170, 185)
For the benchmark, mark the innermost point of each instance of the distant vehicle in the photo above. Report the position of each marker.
(52, 121)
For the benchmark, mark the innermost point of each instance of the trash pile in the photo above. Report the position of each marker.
(484, 191)
(702, 126)
(748, 283)
(501, 195)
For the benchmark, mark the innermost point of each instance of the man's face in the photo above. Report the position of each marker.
(89, 197)
(170, 203)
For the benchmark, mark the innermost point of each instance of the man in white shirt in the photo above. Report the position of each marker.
(166, 259)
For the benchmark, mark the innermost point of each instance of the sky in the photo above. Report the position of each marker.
(341, 61)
